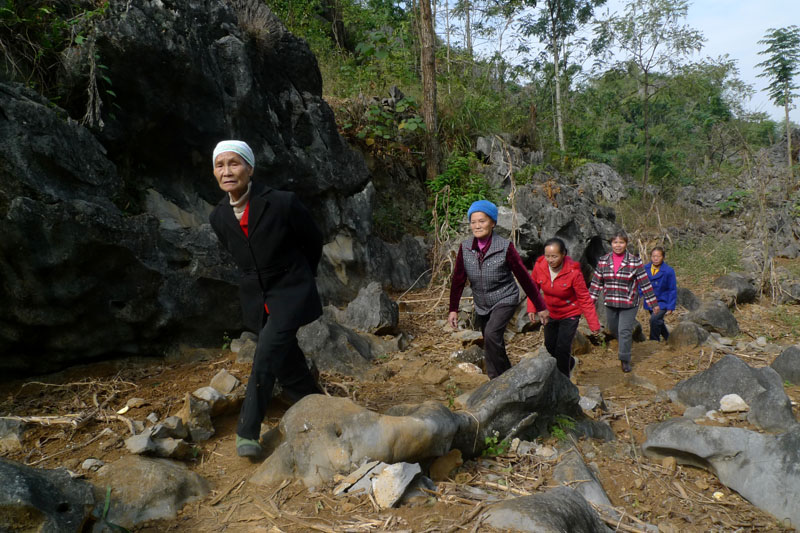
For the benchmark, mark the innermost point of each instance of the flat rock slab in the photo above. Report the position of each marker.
(765, 469)
(761, 388)
(555, 511)
(390, 485)
(144, 489)
(33, 499)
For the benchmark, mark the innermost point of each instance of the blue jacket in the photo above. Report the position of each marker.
(664, 285)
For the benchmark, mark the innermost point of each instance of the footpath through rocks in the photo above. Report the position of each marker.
(81, 420)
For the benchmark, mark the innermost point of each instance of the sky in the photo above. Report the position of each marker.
(734, 27)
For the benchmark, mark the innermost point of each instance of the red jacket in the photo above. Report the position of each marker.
(566, 296)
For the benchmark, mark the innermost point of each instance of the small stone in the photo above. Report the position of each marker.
(467, 336)
(718, 495)
(638, 483)
(92, 464)
(138, 426)
(11, 435)
(701, 484)
(109, 444)
(716, 416)
(224, 381)
(546, 452)
(435, 376)
(141, 443)
(761, 341)
(173, 448)
(354, 477)
(698, 412)
(247, 352)
(152, 418)
(388, 487)
(525, 447)
(443, 466)
(733, 403)
(215, 399)
(669, 464)
(196, 416)
(469, 368)
(133, 403)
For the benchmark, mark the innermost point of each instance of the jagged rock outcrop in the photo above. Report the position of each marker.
(104, 245)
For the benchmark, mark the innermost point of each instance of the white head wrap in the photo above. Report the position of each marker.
(238, 147)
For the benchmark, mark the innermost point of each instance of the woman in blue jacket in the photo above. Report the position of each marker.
(662, 278)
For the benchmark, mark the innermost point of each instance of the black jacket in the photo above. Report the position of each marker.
(278, 259)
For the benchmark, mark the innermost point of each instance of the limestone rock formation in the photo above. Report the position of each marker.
(105, 248)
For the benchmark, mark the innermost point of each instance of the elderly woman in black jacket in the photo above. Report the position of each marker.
(276, 245)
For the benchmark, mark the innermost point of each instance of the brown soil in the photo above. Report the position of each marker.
(643, 490)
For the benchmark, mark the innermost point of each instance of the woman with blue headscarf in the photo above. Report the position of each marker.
(491, 263)
(277, 246)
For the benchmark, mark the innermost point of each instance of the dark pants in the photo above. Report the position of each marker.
(620, 322)
(558, 337)
(278, 357)
(493, 326)
(657, 327)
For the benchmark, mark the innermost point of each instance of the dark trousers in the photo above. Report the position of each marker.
(657, 327)
(558, 337)
(278, 357)
(493, 326)
(620, 322)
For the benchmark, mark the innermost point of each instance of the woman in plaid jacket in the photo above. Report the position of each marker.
(620, 275)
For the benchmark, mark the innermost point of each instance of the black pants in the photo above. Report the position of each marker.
(657, 327)
(493, 326)
(558, 337)
(278, 357)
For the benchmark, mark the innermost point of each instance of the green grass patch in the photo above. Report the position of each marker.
(699, 261)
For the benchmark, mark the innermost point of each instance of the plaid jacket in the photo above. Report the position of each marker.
(621, 289)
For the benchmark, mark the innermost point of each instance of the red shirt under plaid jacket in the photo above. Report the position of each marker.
(621, 289)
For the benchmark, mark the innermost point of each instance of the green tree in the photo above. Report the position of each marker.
(781, 67)
(651, 34)
(556, 21)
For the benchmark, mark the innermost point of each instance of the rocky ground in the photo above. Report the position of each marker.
(676, 498)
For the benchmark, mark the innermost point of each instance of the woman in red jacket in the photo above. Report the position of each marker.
(560, 279)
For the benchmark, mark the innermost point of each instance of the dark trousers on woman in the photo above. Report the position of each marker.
(558, 337)
(493, 326)
(278, 357)
(657, 327)
(620, 321)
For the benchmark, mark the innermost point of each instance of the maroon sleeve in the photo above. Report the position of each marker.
(458, 282)
(521, 273)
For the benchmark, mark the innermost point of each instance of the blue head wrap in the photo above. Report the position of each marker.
(237, 147)
(484, 206)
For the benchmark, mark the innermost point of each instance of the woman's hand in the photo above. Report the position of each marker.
(656, 309)
(668, 312)
(544, 316)
(532, 317)
(452, 319)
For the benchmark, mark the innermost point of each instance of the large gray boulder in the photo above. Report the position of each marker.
(373, 311)
(715, 317)
(555, 511)
(687, 299)
(104, 245)
(601, 182)
(335, 348)
(687, 334)
(761, 389)
(762, 468)
(557, 209)
(740, 286)
(502, 158)
(322, 436)
(33, 499)
(145, 489)
(787, 364)
(520, 403)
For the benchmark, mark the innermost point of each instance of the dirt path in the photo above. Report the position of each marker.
(680, 498)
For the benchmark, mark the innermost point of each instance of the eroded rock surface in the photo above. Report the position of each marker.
(765, 469)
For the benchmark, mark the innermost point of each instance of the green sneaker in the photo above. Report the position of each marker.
(247, 447)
